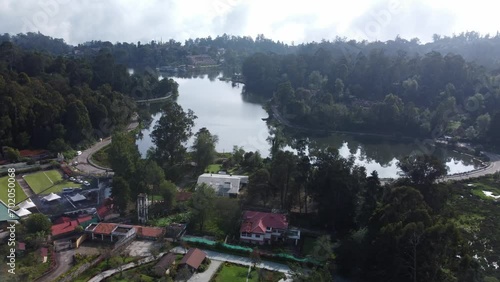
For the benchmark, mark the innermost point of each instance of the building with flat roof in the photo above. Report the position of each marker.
(225, 185)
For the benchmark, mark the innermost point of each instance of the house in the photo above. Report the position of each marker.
(149, 233)
(65, 226)
(113, 232)
(109, 231)
(263, 227)
(224, 185)
(7, 214)
(193, 259)
(175, 231)
(183, 196)
(163, 266)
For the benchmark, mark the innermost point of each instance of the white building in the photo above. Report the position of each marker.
(225, 185)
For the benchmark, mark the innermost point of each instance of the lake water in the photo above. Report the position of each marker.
(221, 108)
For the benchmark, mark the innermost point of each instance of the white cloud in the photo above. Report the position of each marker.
(286, 20)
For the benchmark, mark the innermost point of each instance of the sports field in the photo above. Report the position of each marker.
(20, 196)
(46, 182)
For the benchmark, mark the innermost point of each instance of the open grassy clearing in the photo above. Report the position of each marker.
(20, 196)
(231, 272)
(46, 182)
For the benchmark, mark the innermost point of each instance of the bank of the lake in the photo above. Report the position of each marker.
(221, 107)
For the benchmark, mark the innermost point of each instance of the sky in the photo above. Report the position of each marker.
(291, 21)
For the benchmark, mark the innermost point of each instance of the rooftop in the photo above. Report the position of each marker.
(223, 183)
(258, 222)
(66, 225)
(194, 258)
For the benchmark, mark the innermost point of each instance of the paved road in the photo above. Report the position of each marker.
(83, 160)
(64, 260)
(110, 272)
(208, 273)
(490, 169)
(242, 261)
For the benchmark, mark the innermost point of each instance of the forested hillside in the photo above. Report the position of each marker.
(379, 90)
(61, 102)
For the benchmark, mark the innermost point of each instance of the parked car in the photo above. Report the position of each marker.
(72, 179)
(86, 183)
(67, 190)
(78, 153)
(79, 181)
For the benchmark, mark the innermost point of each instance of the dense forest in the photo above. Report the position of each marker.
(381, 91)
(61, 102)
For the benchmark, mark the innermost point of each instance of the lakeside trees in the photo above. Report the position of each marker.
(62, 102)
(378, 90)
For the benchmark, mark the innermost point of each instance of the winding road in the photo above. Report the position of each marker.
(85, 164)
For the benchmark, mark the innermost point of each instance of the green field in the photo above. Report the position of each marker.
(20, 196)
(231, 272)
(46, 182)
(214, 168)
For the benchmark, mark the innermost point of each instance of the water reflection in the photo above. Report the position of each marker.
(222, 108)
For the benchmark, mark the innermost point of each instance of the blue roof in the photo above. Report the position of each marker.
(4, 213)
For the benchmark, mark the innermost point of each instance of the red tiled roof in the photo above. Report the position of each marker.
(104, 228)
(62, 219)
(66, 170)
(194, 258)
(21, 246)
(151, 232)
(32, 153)
(68, 226)
(257, 222)
(183, 196)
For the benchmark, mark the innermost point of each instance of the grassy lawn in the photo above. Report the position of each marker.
(213, 168)
(101, 157)
(46, 182)
(20, 196)
(232, 272)
(479, 187)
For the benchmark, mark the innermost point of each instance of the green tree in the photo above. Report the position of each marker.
(170, 133)
(422, 169)
(202, 203)
(38, 223)
(123, 155)
(204, 149)
(258, 189)
(168, 190)
(12, 154)
(121, 192)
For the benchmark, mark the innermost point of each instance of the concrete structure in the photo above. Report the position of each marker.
(263, 228)
(225, 185)
(142, 208)
(113, 232)
(109, 231)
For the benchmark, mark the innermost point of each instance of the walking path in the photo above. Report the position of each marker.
(108, 273)
(246, 261)
(207, 274)
(216, 258)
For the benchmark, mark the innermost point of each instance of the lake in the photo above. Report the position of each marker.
(222, 109)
